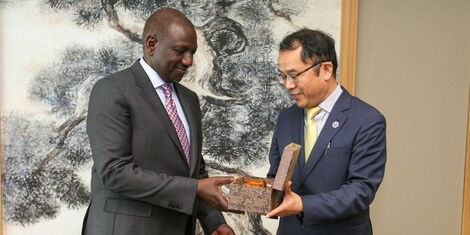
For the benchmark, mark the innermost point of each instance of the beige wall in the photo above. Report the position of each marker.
(413, 64)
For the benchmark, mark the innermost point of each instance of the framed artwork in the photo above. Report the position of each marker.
(53, 51)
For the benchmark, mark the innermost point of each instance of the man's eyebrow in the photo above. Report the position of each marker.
(288, 71)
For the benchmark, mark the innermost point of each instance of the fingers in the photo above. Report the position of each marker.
(288, 189)
(275, 212)
(223, 180)
(280, 211)
(209, 190)
(291, 203)
(224, 229)
(222, 202)
(271, 214)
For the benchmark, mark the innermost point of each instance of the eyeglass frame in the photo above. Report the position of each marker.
(295, 77)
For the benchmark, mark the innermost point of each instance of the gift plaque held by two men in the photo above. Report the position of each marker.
(261, 195)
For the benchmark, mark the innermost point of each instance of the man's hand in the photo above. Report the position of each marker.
(291, 204)
(223, 229)
(208, 190)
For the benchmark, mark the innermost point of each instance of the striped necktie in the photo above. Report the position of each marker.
(175, 119)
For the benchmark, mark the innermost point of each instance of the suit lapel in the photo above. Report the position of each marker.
(333, 124)
(151, 98)
(297, 137)
(189, 113)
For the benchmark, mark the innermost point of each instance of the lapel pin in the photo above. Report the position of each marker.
(335, 124)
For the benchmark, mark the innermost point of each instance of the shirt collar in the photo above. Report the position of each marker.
(156, 80)
(330, 101)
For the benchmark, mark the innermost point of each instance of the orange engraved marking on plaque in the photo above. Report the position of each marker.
(255, 183)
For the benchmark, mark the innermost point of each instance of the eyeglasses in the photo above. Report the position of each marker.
(295, 77)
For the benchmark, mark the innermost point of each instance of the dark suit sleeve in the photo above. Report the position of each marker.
(274, 153)
(209, 217)
(110, 134)
(366, 170)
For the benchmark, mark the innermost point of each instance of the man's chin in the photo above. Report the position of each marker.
(176, 78)
(300, 104)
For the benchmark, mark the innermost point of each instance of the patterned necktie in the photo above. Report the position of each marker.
(175, 119)
(311, 131)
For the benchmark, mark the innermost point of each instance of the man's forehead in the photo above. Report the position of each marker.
(180, 36)
(291, 52)
(175, 31)
(289, 60)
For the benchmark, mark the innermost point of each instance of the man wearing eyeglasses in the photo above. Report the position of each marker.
(342, 160)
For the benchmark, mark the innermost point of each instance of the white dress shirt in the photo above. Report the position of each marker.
(326, 107)
(157, 83)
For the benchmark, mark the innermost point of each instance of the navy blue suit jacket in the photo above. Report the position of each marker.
(343, 172)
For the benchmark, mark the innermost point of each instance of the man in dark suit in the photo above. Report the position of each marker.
(144, 128)
(342, 160)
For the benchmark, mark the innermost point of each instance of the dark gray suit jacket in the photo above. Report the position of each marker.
(141, 183)
(343, 171)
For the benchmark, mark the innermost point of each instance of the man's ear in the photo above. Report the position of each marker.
(150, 44)
(327, 70)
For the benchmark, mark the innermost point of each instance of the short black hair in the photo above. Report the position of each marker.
(316, 45)
(161, 20)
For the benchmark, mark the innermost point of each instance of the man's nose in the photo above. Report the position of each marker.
(188, 59)
(289, 84)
